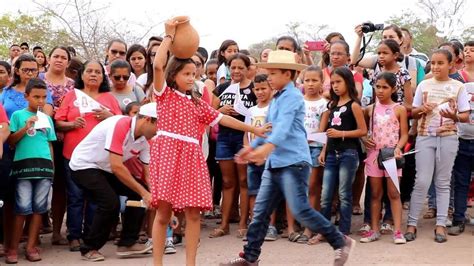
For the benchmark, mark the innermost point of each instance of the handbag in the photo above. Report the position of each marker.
(385, 153)
(388, 153)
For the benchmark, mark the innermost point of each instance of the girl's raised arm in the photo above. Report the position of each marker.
(161, 57)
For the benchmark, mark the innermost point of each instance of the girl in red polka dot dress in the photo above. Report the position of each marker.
(179, 176)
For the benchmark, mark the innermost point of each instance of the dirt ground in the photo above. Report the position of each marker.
(423, 251)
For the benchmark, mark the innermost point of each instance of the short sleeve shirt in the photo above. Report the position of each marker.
(35, 143)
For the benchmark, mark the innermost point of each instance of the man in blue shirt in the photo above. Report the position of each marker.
(287, 167)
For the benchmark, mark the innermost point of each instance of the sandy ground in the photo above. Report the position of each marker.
(423, 251)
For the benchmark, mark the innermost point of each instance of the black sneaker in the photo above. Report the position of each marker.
(177, 240)
(456, 229)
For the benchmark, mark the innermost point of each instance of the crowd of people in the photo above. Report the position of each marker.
(279, 144)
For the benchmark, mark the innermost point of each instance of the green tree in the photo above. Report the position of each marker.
(15, 29)
(425, 39)
(257, 48)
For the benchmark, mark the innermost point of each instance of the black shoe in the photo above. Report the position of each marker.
(456, 229)
(440, 238)
(177, 240)
(409, 236)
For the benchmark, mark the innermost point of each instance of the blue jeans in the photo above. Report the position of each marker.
(463, 166)
(32, 196)
(290, 182)
(340, 168)
(228, 145)
(75, 208)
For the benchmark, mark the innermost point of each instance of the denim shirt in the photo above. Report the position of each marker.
(286, 113)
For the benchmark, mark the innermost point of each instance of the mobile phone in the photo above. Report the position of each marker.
(316, 45)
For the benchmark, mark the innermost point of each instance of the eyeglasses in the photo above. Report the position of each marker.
(119, 77)
(29, 70)
(114, 52)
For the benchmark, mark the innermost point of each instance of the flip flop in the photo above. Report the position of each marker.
(316, 239)
(59, 242)
(218, 232)
(241, 233)
(293, 237)
(357, 211)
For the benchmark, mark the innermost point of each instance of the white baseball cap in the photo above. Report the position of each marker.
(149, 110)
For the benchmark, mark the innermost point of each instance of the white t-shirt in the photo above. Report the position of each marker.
(222, 72)
(142, 79)
(439, 92)
(113, 135)
(466, 130)
(312, 117)
(257, 118)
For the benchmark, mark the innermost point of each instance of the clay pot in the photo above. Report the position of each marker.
(186, 39)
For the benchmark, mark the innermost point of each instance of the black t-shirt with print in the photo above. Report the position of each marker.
(342, 118)
(228, 97)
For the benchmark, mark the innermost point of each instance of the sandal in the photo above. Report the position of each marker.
(430, 214)
(293, 236)
(74, 245)
(33, 254)
(241, 233)
(316, 239)
(357, 210)
(218, 232)
(303, 239)
(11, 257)
(61, 241)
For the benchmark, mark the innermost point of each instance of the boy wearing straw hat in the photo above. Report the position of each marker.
(287, 166)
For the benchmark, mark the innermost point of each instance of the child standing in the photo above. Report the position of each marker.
(345, 124)
(287, 157)
(178, 170)
(440, 103)
(264, 94)
(388, 57)
(315, 106)
(388, 128)
(32, 168)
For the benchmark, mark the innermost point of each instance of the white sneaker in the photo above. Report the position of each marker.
(169, 247)
(149, 243)
(364, 229)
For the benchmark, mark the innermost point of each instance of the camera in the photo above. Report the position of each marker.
(371, 27)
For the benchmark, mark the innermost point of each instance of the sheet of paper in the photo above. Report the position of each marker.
(239, 106)
(319, 137)
(43, 121)
(391, 168)
(85, 103)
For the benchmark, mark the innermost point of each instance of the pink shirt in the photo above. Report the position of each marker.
(68, 111)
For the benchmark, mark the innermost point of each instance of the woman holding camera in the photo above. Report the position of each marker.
(389, 32)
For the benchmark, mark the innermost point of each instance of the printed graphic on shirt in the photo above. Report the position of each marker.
(336, 120)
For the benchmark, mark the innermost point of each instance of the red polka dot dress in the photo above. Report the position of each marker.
(178, 170)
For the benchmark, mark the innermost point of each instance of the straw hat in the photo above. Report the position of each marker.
(282, 59)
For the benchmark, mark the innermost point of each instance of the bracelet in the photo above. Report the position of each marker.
(169, 36)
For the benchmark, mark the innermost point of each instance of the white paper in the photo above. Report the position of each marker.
(319, 137)
(445, 106)
(391, 168)
(43, 121)
(85, 103)
(239, 106)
